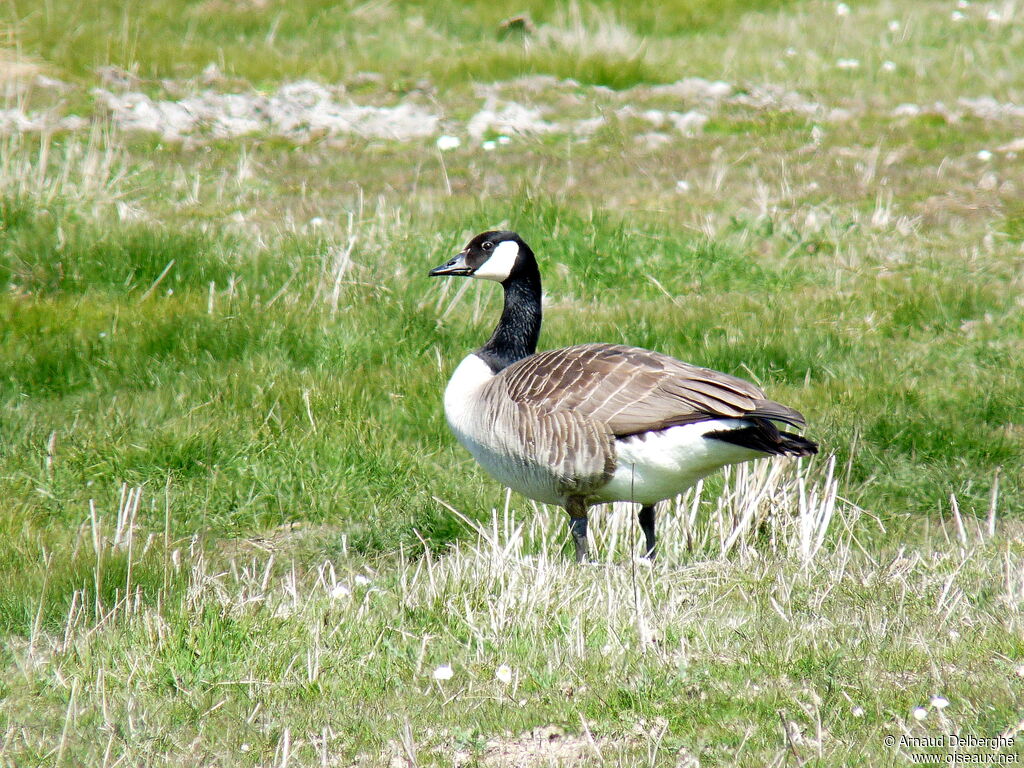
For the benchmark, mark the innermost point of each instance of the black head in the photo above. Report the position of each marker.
(492, 255)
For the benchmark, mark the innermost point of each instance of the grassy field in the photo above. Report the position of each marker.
(235, 529)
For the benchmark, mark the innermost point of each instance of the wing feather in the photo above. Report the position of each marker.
(632, 390)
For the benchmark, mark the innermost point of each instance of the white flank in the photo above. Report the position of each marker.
(500, 265)
(658, 465)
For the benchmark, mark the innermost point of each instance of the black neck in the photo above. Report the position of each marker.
(519, 327)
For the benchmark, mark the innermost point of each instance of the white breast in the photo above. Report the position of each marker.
(460, 396)
(485, 429)
(659, 465)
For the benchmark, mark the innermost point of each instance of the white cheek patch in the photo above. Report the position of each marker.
(500, 265)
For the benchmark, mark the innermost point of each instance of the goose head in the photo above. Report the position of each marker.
(494, 255)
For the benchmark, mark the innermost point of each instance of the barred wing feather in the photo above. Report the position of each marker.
(632, 390)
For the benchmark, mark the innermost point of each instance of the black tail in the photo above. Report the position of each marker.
(764, 436)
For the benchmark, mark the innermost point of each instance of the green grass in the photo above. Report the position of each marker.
(264, 42)
(221, 365)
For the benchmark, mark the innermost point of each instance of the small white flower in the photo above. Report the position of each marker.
(857, 711)
(894, 25)
(939, 702)
(993, 15)
(962, 4)
(919, 713)
(361, 580)
(316, 221)
(245, 747)
(504, 674)
(888, 66)
(446, 142)
(848, 63)
(1019, 670)
(489, 145)
(339, 591)
(503, 140)
(842, 9)
(682, 186)
(954, 635)
(444, 672)
(957, 16)
(103, 334)
(791, 52)
(984, 155)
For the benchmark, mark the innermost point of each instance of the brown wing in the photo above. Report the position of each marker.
(634, 390)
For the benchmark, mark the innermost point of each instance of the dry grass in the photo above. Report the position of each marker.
(743, 606)
(90, 170)
(16, 68)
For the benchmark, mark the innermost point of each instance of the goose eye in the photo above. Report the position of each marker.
(488, 245)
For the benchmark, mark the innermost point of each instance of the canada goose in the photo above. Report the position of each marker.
(595, 423)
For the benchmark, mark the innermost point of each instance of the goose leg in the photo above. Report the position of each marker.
(578, 527)
(646, 518)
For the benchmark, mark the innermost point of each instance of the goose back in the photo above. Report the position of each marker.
(631, 391)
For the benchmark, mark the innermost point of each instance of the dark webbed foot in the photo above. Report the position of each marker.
(646, 518)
